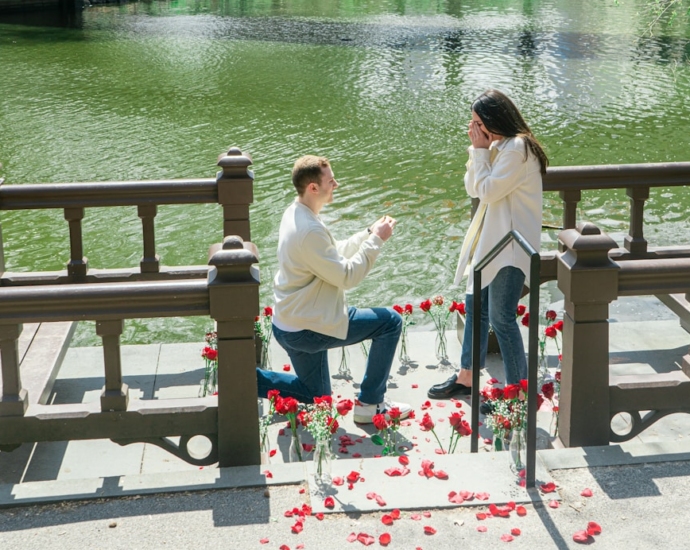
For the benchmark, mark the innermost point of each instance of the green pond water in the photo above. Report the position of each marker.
(157, 90)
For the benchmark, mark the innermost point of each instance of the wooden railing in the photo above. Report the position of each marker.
(227, 291)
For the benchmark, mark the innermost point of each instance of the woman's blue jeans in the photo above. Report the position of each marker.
(308, 351)
(499, 304)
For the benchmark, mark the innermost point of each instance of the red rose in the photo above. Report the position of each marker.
(453, 306)
(547, 390)
(521, 309)
(288, 405)
(425, 305)
(511, 391)
(540, 401)
(408, 309)
(272, 395)
(551, 332)
(209, 353)
(558, 325)
(427, 423)
(455, 418)
(268, 311)
(496, 393)
(461, 308)
(332, 423)
(463, 428)
(280, 407)
(394, 413)
(302, 418)
(558, 376)
(344, 406)
(399, 309)
(380, 421)
(523, 385)
(525, 319)
(325, 399)
(551, 315)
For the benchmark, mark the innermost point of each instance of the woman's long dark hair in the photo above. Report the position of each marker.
(501, 117)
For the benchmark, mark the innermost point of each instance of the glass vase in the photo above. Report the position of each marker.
(265, 447)
(518, 450)
(295, 452)
(344, 369)
(402, 356)
(208, 385)
(543, 374)
(323, 457)
(265, 356)
(499, 443)
(441, 346)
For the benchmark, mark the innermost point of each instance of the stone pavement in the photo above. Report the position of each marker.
(632, 483)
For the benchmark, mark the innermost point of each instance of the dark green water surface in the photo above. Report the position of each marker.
(157, 90)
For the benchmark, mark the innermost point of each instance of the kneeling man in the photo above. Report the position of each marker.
(310, 314)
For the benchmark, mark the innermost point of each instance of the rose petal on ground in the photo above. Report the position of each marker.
(415, 517)
(440, 404)
(507, 538)
(511, 505)
(481, 516)
(338, 480)
(387, 519)
(352, 537)
(467, 495)
(319, 516)
(356, 455)
(521, 511)
(299, 547)
(515, 532)
(329, 502)
(440, 474)
(581, 536)
(455, 498)
(522, 483)
(380, 501)
(439, 451)
(302, 490)
(549, 487)
(297, 527)
(272, 452)
(488, 441)
(353, 476)
(264, 541)
(395, 514)
(343, 450)
(284, 547)
(371, 496)
(522, 473)
(281, 431)
(426, 405)
(384, 539)
(415, 386)
(365, 539)
(481, 496)
(267, 473)
(426, 514)
(403, 460)
(359, 440)
(429, 530)
(492, 381)
(553, 504)
(350, 486)
(286, 368)
(593, 528)
(586, 493)
(481, 528)
(309, 447)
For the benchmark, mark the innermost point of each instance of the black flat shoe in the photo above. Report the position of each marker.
(448, 389)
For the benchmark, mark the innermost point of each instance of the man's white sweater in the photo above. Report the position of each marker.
(314, 270)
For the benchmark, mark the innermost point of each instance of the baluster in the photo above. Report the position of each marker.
(150, 261)
(14, 399)
(635, 242)
(570, 199)
(115, 395)
(233, 287)
(78, 264)
(235, 192)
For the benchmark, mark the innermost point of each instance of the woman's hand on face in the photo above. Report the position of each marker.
(479, 139)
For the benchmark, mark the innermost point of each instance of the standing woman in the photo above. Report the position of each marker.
(504, 172)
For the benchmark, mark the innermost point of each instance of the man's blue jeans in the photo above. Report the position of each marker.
(308, 352)
(499, 304)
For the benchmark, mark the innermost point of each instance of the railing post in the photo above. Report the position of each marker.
(235, 192)
(570, 199)
(233, 286)
(78, 264)
(589, 282)
(115, 395)
(14, 399)
(635, 242)
(150, 262)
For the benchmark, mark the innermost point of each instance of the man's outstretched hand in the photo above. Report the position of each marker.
(383, 228)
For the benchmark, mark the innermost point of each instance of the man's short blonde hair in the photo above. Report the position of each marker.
(308, 169)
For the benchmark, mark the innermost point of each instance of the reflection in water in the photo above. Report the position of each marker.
(151, 90)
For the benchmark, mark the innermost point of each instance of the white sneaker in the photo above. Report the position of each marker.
(364, 413)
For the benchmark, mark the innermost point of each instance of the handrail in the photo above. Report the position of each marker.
(616, 176)
(110, 193)
(535, 266)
